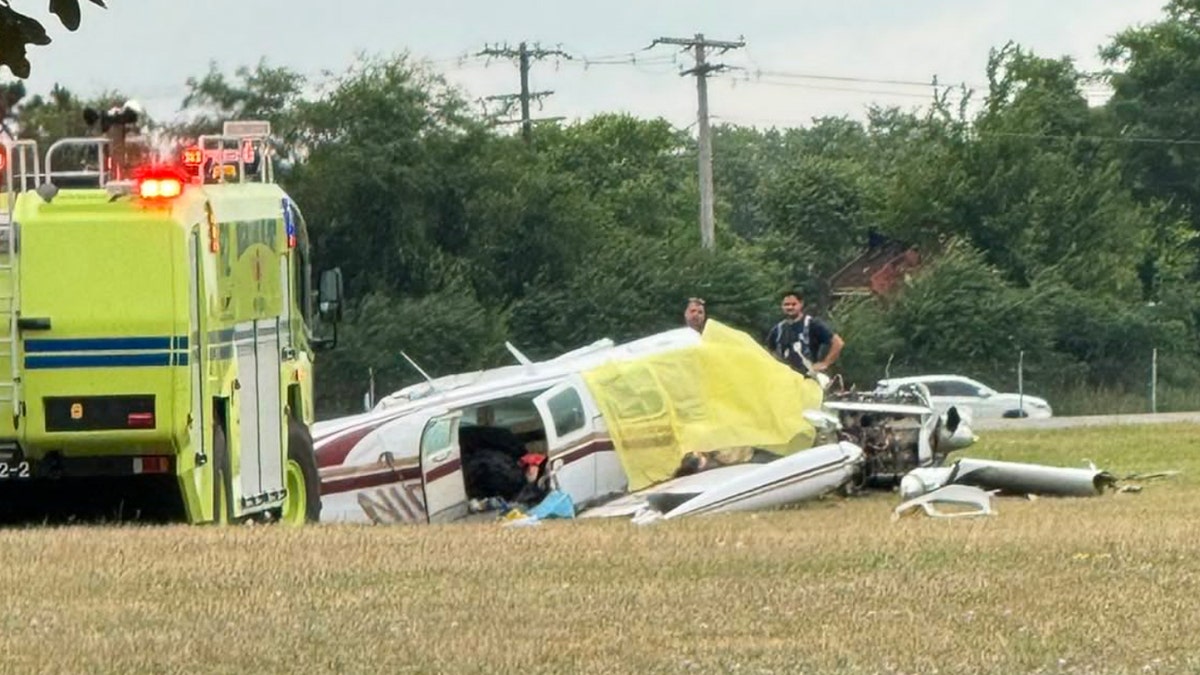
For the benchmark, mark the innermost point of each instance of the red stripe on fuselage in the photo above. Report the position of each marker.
(369, 479)
(334, 451)
(333, 448)
(580, 451)
(443, 470)
(381, 474)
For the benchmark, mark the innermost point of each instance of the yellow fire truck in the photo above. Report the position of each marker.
(156, 341)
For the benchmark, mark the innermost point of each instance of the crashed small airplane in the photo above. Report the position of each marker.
(670, 425)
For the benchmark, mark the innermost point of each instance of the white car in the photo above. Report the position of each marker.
(976, 400)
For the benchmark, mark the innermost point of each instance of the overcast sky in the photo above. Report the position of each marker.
(147, 48)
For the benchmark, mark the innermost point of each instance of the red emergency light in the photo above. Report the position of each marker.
(165, 188)
(159, 183)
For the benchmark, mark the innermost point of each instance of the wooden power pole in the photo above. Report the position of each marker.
(523, 56)
(700, 45)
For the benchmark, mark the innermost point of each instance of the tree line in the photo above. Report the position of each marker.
(1047, 227)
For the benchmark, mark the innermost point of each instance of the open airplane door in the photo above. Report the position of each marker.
(441, 469)
(571, 419)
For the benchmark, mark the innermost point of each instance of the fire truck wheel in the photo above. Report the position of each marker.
(220, 464)
(303, 503)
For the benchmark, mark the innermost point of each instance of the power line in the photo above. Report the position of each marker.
(579, 53)
(846, 78)
(653, 61)
(743, 119)
(1088, 80)
(1103, 139)
(818, 87)
(1084, 88)
(618, 58)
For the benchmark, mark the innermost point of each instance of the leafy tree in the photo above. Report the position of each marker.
(958, 314)
(636, 285)
(60, 114)
(18, 30)
(816, 205)
(1106, 335)
(745, 157)
(1156, 105)
(11, 94)
(636, 170)
(740, 157)
(263, 93)
(378, 146)
(872, 342)
(1035, 229)
(924, 189)
(444, 332)
(523, 222)
(1047, 196)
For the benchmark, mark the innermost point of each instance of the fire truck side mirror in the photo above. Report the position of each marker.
(330, 295)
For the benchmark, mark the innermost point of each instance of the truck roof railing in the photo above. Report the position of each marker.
(93, 154)
(242, 153)
(22, 168)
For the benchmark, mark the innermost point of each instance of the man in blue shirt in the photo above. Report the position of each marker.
(803, 341)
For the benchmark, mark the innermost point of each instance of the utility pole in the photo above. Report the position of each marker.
(526, 124)
(523, 55)
(699, 45)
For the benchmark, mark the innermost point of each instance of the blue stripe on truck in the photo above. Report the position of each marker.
(107, 344)
(99, 361)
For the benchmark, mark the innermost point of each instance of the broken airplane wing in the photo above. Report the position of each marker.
(743, 487)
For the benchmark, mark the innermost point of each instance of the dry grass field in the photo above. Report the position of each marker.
(1107, 584)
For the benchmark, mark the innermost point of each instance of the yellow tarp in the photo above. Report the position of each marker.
(727, 392)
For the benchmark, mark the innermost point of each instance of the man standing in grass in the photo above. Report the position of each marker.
(799, 339)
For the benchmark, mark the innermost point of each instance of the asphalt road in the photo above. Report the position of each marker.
(1086, 421)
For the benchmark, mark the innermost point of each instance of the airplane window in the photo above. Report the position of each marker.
(566, 410)
(436, 436)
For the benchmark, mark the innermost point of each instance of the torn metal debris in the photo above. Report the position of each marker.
(959, 501)
(1013, 478)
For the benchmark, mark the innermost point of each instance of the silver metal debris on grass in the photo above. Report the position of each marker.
(924, 480)
(1019, 478)
(960, 501)
(1009, 478)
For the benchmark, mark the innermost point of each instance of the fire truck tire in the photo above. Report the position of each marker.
(221, 473)
(303, 503)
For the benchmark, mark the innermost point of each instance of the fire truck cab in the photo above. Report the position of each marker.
(157, 335)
